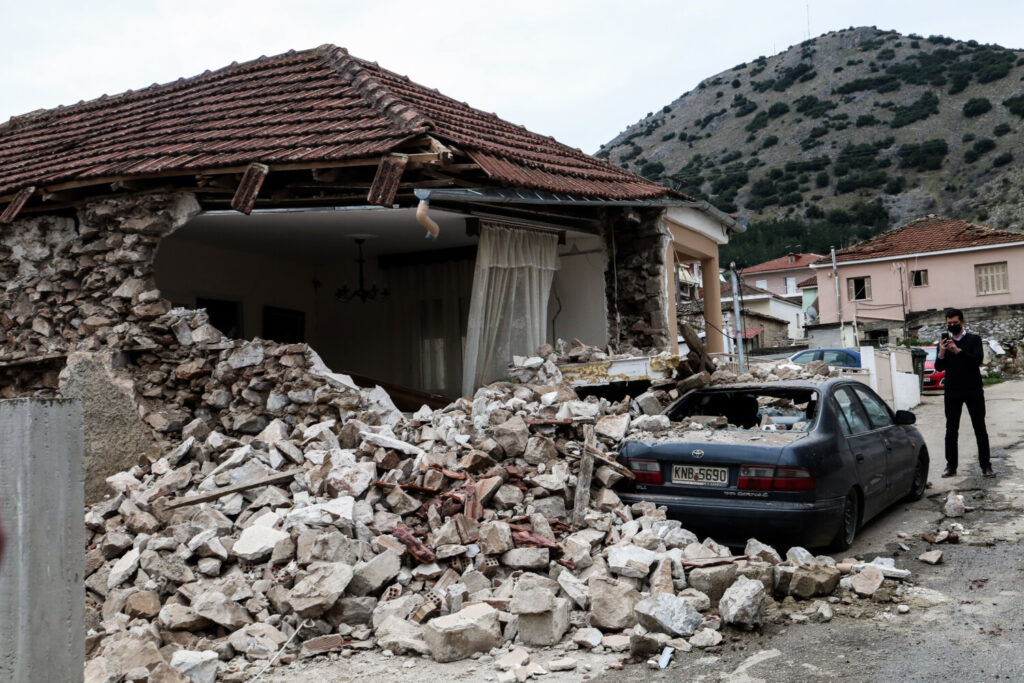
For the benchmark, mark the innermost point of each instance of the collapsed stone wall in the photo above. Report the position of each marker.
(635, 280)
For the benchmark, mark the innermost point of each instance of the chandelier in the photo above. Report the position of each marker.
(344, 294)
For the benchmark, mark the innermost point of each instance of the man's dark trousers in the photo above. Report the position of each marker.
(955, 400)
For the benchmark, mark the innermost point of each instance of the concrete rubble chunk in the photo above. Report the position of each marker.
(575, 588)
(512, 435)
(954, 505)
(257, 640)
(175, 617)
(931, 557)
(809, 581)
(544, 629)
(666, 613)
(531, 596)
(199, 667)
(370, 577)
(562, 664)
(526, 558)
(613, 427)
(124, 568)
(457, 636)
(761, 551)
(612, 603)
(257, 542)
(713, 581)
(868, 580)
(219, 609)
(495, 538)
(630, 560)
(743, 603)
(401, 636)
(320, 589)
(513, 659)
(705, 638)
(587, 637)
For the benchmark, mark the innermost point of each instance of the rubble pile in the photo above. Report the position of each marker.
(298, 511)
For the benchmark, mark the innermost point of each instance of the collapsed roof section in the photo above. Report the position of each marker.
(311, 110)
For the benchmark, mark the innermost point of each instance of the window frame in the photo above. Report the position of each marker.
(1004, 276)
(924, 280)
(851, 288)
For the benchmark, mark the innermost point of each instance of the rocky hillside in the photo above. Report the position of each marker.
(844, 135)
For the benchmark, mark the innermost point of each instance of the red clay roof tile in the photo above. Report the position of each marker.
(931, 233)
(782, 263)
(320, 105)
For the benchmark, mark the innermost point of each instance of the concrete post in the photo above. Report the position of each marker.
(42, 573)
(714, 341)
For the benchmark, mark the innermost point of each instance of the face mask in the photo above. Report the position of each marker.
(955, 329)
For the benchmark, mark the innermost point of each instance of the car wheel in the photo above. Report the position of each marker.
(848, 523)
(920, 479)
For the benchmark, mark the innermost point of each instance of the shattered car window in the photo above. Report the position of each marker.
(762, 409)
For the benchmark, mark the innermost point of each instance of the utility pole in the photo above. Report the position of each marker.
(736, 316)
(839, 303)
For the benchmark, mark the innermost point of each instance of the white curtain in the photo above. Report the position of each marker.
(430, 304)
(508, 309)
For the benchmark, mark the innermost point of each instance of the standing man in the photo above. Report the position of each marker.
(960, 355)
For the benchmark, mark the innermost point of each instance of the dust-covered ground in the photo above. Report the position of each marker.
(977, 635)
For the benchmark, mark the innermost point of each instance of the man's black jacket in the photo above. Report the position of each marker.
(962, 373)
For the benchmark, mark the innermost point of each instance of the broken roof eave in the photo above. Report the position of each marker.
(539, 197)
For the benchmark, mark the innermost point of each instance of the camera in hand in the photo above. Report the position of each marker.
(945, 335)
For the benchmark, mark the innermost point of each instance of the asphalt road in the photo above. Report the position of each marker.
(977, 636)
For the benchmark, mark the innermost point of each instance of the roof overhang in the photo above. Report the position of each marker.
(490, 197)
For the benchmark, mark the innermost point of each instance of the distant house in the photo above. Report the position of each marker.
(907, 277)
(782, 276)
(785, 317)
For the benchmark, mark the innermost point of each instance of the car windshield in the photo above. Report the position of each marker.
(762, 409)
(931, 353)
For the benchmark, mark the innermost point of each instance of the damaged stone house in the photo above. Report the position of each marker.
(316, 198)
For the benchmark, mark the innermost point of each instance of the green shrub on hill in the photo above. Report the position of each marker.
(976, 106)
(926, 156)
(923, 107)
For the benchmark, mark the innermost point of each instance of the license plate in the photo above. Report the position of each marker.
(700, 476)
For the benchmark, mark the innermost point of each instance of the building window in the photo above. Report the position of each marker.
(919, 278)
(791, 286)
(858, 288)
(991, 278)
(761, 284)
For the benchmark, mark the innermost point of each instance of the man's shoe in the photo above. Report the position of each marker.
(987, 472)
(948, 472)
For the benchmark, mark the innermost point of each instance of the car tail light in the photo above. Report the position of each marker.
(646, 471)
(770, 478)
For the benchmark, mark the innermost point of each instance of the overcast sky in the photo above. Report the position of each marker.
(580, 71)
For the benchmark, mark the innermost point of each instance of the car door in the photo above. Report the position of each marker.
(900, 456)
(868, 450)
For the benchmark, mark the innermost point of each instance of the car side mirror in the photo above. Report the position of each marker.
(905, 417)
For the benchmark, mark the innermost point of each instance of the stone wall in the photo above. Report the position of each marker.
(81, 317)
(635, 281)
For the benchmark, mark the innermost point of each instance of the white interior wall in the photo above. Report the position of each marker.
(579, 286)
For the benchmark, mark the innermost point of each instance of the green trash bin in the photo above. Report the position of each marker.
(918, 357)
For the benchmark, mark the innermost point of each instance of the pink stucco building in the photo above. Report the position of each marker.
(931, 263)
(782, 275)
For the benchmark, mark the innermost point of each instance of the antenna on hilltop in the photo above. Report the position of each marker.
(808, 21)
